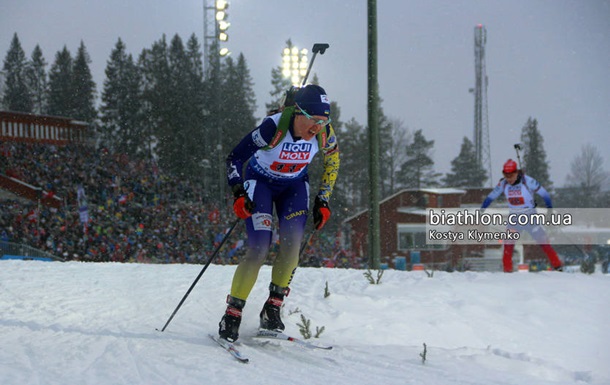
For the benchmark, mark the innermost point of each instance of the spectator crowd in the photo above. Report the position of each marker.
(128, 211)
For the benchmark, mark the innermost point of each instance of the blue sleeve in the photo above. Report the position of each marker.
(538, 189)
(546, 196)
(255, 140)
(494, 194)
(486, 202)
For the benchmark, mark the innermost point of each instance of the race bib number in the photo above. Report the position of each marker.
(516, 201)
(288, 168)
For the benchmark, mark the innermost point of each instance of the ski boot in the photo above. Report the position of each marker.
(270, 315)
(228, 327)
(558, 268)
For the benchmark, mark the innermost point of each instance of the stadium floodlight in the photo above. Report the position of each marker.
(303, 63)
(294, 64)
(286, 66)
(222, 5)
(223, 25)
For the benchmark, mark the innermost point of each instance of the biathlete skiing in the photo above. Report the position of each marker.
(276, 156)
(519, 190)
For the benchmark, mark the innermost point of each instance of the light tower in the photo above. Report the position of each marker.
(481, 121)
(214, 35)
(215, 28)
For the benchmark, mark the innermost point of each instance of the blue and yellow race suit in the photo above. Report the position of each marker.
(276, 164)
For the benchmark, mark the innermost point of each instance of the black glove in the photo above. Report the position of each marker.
(321, 213)
(242, 205)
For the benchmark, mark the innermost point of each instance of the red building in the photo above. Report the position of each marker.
(23, 127)
(403, 226)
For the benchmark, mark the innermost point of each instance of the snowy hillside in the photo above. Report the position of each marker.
(77, 323)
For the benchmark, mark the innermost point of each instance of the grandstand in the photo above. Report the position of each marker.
(70, 200)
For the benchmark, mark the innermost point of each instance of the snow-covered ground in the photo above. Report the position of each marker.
(86, 323)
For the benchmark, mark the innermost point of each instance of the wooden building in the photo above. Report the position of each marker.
(403, 226)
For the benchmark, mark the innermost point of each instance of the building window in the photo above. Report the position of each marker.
(413, 237)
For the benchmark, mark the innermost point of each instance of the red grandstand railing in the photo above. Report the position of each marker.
(23, 127)
(27, 191)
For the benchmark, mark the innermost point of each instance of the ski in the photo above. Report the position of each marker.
(230, 347)
(275, 335)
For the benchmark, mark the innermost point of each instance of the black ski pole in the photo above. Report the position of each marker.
(304, 245)
(307, 239)
(317, 47)
(201, 273)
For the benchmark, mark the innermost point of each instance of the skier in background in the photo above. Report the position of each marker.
(276, 155)
(519, 190)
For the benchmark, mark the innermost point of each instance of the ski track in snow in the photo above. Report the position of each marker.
(77, 323)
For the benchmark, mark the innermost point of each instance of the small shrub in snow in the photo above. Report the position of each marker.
(369, 275)
(305, 328)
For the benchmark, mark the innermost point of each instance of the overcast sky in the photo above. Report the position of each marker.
(546, 59)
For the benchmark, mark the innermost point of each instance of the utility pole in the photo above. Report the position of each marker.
(373, 125)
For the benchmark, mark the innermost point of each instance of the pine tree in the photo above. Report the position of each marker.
(174, 104)
(37, 80)
(60, 85)
(534, 156)
(17, 94)
(174, 142)
(195, 94)
(395, 154)
(417, 171)
(83, 88)
(183, 142)
(154, 66)
(280, 84)
(121, 110)
(352, 184)
(247, 84)
(388, 153)
(465, 170)
(175, 148)
(239, 101)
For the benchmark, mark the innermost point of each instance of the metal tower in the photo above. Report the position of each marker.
(215, 26)
(481, 121)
